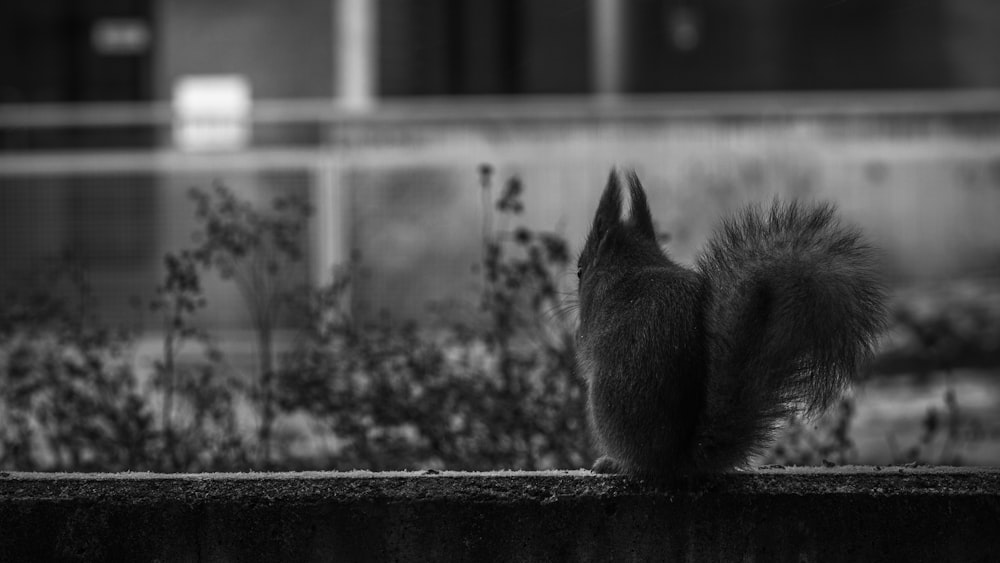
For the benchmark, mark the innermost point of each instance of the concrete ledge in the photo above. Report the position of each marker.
(852, 514)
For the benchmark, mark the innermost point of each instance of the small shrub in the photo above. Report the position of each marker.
(207, 436)
(255, 250)
(497, 391)
(70, 397)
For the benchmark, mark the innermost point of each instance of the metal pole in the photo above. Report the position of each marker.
(355, 53)
(608, 47)
(355, 87)
(330, 233)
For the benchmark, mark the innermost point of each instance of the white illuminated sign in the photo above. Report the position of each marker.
(212, 113)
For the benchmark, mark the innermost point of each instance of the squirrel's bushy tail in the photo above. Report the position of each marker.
(794, 309)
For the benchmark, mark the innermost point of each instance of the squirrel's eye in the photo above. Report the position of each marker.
(579, 273)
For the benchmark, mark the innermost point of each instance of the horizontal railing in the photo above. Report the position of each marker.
(475, 108)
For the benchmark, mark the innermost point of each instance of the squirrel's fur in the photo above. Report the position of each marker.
(691, 370)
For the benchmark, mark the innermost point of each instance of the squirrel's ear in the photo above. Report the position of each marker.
(609, 210)
(639, 216)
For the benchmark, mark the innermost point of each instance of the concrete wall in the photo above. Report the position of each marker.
(922, 183)
(859, 514)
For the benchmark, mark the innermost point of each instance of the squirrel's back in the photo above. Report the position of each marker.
(690, 370)
(642, 314)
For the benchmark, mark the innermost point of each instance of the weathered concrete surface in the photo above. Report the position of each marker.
(853, 514)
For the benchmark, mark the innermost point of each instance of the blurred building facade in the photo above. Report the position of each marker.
(135, 50)
(109, 181)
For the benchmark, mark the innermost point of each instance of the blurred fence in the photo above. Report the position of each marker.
(919, 171)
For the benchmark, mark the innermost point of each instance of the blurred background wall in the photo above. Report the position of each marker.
(380, 112)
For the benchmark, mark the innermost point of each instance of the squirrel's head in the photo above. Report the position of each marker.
(622, 224)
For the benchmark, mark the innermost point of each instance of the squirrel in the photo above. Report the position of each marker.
(691, 370)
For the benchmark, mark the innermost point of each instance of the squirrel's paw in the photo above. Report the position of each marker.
(606, 466)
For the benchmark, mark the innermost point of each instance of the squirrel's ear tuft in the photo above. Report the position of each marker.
(623, 205)
(639, 216)
(609, 210)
